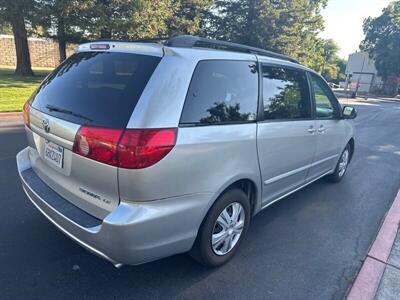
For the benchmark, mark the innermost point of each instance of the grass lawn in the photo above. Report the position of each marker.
(15, 90)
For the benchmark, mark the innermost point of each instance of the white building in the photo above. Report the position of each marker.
(361, 74)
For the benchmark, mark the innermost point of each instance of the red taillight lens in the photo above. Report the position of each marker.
(100, 144)
(135, 149)
(25, 113)
(142, 148)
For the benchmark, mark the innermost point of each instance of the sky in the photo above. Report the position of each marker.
(344, 19)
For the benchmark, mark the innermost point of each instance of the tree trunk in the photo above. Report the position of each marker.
(21, 46)
(389, 86)
(62, 44)
(251, 16)
(397, 87)
(393, 86)
(384, 79)
(105, 33)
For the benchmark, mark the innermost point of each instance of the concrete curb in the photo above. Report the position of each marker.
(11, 119)
(367, 281)
(10, 115)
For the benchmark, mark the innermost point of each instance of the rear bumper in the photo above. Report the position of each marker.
(133, 233)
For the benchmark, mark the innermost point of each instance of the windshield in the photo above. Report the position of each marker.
(95, 88)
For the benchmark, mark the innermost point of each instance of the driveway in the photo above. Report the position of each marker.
(307, 246)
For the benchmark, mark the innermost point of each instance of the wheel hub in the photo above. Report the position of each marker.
(228, 228)
(344, 160)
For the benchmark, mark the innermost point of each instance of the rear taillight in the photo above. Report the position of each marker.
(26, 112)
(142, 148)
(130, 149)
(100, 144)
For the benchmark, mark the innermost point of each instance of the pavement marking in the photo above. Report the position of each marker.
(368, 279)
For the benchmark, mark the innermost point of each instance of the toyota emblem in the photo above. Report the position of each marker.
(46, 126)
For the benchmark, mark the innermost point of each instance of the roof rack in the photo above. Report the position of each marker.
(145, 40)
(190, 41)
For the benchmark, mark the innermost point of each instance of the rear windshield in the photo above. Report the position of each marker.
(95, 88)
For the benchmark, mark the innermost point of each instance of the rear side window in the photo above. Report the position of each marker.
(285, 94)
(222, 92)
(96, 88)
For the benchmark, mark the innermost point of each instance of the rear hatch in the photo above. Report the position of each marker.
(97, 90)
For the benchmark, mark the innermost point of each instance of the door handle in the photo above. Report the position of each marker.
(311, 129)
(321, 129)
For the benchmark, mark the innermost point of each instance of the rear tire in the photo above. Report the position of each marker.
(341, 166)
(222, 229)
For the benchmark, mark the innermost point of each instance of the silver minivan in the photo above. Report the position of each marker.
(139, 151)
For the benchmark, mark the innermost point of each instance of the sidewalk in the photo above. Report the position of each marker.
(363, 101)
(340, 93)
(379, 277)
(389, 287)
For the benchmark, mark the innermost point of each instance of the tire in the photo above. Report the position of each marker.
(339, 171)
(203, 250)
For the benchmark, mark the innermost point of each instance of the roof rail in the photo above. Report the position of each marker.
(190, 41)
(145, 40)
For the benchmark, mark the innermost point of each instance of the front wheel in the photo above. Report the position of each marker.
(223, 229)
(341, 166)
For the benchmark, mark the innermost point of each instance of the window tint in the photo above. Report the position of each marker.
(324, 100)
(95, 88)
(222, 92)
(285, 94)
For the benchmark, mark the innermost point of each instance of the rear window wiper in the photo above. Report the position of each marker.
(66, 111)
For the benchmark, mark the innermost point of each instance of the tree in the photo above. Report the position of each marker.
(141, 19)
(151, 19)
(166, 18)
(332, 67)
(63, 21)
(111, 18)
(14, 13)
(189, 16)
(382, 42)
(5, 28)
(74, 21)
(231, 20)
(341, 75)
(288, 26)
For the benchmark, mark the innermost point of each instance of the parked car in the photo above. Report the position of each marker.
(138, 151)
(334, 85)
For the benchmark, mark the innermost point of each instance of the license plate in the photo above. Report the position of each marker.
(54, 153)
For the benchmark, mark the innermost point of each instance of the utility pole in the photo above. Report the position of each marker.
(359, 77)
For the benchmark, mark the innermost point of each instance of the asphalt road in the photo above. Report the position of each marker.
(307, 246)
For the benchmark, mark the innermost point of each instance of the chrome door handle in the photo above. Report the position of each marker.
(311, 130)
(321, 129)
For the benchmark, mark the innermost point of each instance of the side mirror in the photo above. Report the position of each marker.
(349, 112)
